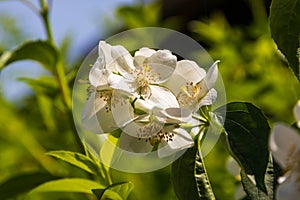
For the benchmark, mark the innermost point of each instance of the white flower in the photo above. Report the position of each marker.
(141, 96)
(285, 146)
(98, 105)
(147, 68)
(192, 86)
(160, 125)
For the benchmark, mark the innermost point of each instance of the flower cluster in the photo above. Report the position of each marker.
(285, 146)
(148, 96)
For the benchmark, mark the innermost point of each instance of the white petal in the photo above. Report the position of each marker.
(212, 75)
(175, 83)
(142, 127)
(190, 71)
(99, 64)
(209, 98)
(119, 82)
(89, 119)
(106, 121)
(288, 190)
(141, 55)
(297, 113)
(95, 118)
(164, 150)
(205, 86)
(179, 113)
(186, 71)
(163, 63)
(181, 141)
(143, 105)
(105, 50)
(122, 60)
(133, 144)
(162, 97)
(123, 114)
(98, 77)
(202, 99)
(121, 108)
(145, 52)
(92, 106)
(174, 115)
(283, 141)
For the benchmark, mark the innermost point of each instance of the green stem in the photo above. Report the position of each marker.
(45, 16)
(200, 118)
(189, 126)
(63, 82)
(60, 71)
(202, 172)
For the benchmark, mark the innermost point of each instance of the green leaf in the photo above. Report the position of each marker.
(271, 177)
(46, 89)
(22, 183)
(247, 132)
(39, 51)
(77, 185)
(189, 177)
(285, 30)
(46, 108)
(45, 84)
(117, 191)
(79, 160)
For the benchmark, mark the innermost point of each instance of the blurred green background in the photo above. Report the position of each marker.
(236, 32)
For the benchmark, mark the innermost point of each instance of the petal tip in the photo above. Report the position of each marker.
(296, 111)
(212, 75)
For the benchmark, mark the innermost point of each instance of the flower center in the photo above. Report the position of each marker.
(148, 131)
(166, 133)
(293, 163)
(189, 94)
(105, 95)
(144, 76)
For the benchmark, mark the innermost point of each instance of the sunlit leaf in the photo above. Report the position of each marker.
(79, 160)
(140, 16)
(117, 191)
(189, 177)
(39, 51)
(22, 183)
(68, 185)
(285, 30)
(247, 132)
(107, 151)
